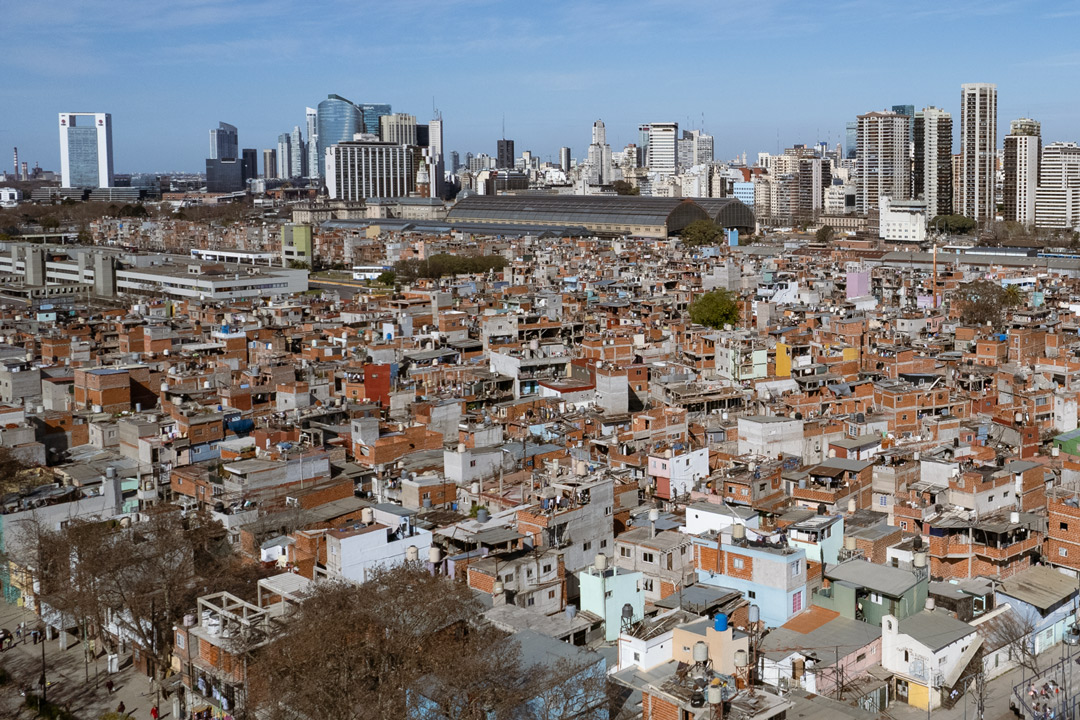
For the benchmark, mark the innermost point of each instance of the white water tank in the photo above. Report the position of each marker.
(367, 516)
(600, 562)
(412, 553)
(738, 531)
(1014, 517)
(701, 652)
(434, 555)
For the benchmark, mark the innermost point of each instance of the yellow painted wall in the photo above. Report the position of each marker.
(918, 695)
(851, 353)
(783, 360)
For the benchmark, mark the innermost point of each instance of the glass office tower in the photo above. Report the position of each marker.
(372, 113)
(338, 121)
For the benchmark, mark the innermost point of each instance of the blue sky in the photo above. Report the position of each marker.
(758, 70)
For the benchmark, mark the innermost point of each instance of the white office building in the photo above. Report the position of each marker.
(662, 154)
(1057, 203)
(398, 128)
(369, 169)
(1023, 146)
(86, 153)
(902, 220)
(312, 118)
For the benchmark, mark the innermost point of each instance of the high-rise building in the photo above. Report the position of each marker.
(224, 175)
(643, 145)
(978, 150)
(933, 160)
(284, 156)
(814, 176)
(361, 170)
(695, 147)
(504, 155)
(298, 158)
(223, 142)
(909, 112)
(662, 155)
(338, 120)
(372, 113)
(1023, 146)
(851, 140)
(564, 159)
(883, 165)
(599, 168)
(398, 128)
(86, 157)
(1057, 204)
(249, 168)
(455, 161)
(269, 164)
(311, 116)
(435, 138)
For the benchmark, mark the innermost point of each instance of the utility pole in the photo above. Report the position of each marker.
(42, 681)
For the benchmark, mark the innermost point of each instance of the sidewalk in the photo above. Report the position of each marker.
(66, 672)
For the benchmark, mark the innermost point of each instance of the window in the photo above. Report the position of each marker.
(883, 500)
(530, 602)
(603, 544)
(860, 657)
(637, 657)
(181, 641)
(1063, 526)
(738, 563)
(472, 463)
(903, 524)
(1063, 552)
(551, 594)
(751, 594)
(648, 557)
(907, 656)
(624, 551)
(647, 585)
(795, 568)
(586, 546)
(875, 598)
(991, 499)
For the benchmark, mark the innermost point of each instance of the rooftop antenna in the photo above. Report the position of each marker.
(504, 127)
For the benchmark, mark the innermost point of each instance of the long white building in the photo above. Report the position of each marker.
(663, 153)
(362, 170)
(1058, 201)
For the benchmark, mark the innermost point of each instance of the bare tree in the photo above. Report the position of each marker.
(1015, 630)
(408, 644)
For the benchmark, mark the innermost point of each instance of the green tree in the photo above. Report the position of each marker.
(957, 224)
(49, 223)
(825, 234)
(715, 309)
(624, 188)
(701, 232)
(1014, 296)
(387, 278)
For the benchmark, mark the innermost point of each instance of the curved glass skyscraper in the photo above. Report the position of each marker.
(338, 120)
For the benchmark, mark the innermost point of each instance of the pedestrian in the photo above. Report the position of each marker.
(154, 713)
(121, 708)
(18, 632)
(109, 686)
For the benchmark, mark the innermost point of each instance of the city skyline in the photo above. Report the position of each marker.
(779, 102)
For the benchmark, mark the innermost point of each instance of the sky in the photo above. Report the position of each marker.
(757, 74)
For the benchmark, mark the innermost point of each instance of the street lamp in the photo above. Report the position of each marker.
(41, 680)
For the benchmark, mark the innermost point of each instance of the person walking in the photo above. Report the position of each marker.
(109, 686)
(121, 709)
(154, 713)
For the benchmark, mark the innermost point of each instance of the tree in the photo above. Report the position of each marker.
(981, 302)
(1014, 296)
(957, 224)
(405, 643)
(624, 188)
(715, 309)
(49, 223)
(387, 278)
(13, 473)
(701, 232)
(825, 234)
(1015, 630)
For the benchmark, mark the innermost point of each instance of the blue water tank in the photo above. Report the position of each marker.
(720, 622)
